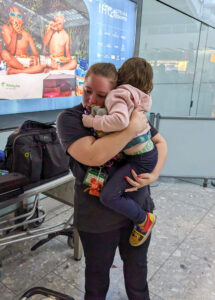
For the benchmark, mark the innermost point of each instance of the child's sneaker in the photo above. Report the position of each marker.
(141, 231)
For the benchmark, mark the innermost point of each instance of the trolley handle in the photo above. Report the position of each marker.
(45, 292)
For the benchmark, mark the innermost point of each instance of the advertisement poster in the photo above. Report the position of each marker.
(46, 47)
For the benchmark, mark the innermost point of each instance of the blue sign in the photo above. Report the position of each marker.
(112, 30)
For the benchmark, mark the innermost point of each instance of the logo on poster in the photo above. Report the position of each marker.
(9, 85)
(105, 9)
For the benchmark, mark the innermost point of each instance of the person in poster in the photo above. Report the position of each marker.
(16, 41)
(58, 41)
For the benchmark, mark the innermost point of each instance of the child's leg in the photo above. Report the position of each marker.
(144, 163)
(113, 196)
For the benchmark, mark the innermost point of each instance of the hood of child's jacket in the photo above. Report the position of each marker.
(140, 99)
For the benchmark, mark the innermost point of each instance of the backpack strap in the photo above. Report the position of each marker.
(29, 124)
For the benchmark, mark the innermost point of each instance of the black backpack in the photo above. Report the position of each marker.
(34, 150)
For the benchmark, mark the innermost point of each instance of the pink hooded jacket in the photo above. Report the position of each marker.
(120, 103)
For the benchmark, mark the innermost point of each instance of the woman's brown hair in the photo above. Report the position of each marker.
(137, 72)
(107, 70)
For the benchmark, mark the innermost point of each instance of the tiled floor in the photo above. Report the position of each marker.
(181, 255)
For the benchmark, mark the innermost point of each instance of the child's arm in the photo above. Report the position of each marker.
(118, 115)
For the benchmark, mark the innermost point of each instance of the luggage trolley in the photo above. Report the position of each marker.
(61, 189)
(45, 292)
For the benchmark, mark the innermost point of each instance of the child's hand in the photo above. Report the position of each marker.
(87, 120)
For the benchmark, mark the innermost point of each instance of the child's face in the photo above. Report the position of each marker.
(96, 88)
(16, 18)
(59, 21)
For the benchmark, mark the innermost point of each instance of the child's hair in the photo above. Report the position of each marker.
(107, 70)
(137, 72)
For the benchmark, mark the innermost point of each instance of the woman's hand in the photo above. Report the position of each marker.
(140, 180)
(138, 121)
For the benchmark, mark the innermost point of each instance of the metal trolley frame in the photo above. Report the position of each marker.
(45, 292)
(54, 189)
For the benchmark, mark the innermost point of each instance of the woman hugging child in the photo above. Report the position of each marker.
(134, 85)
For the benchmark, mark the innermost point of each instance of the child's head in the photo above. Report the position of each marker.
(137, 72)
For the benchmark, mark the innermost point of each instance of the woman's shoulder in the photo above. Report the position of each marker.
(70, 114)
(73, 111)
(70, 118)
(70, 127)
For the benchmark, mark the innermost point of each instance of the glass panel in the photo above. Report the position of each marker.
(171, 99)
(169, 40)
(206, 104)
(203, 10)
(191, 7)
(208, 14)
(164, 99)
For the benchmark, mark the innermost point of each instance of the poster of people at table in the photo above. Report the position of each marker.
(46, 47)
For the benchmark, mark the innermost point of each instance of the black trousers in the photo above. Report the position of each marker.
(99, 251)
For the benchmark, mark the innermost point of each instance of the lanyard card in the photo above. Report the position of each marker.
(94, 173)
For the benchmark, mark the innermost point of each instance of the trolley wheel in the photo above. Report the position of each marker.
(70, 241)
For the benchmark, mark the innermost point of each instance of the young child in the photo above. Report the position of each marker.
(134, 86)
